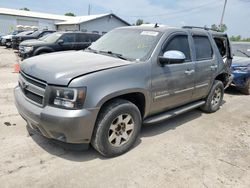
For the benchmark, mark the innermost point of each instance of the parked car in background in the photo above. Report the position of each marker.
(58, 41)
(241, 66)
(1, 35)
(130, 76)
(6, 40)
(16, 40)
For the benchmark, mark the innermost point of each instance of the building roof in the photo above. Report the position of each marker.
(66, 20)
(24, 13)
(81, 19)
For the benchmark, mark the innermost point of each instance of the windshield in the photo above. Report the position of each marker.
(241, 49)
(25, 33)
(14, 32)
(128, 43)
(53, 37)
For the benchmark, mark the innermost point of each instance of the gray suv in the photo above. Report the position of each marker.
(129, 77)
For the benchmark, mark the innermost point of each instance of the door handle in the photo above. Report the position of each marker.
(214, 67)
(189, 72)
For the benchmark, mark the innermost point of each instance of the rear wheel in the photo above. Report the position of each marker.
(117, 128)
(214, 98)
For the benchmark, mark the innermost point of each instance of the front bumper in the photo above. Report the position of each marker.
(71, 126)
(240, 78)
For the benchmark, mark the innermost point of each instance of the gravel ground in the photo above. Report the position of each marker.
(192, 150)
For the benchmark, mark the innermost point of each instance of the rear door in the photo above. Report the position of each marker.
(205, 64)
(173, 84)
(83, 40)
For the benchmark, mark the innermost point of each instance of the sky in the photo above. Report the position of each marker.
(169, 12)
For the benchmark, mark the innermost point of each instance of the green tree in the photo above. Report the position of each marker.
(69, 14)
(24, 8)
(223, 28)
(139, 22)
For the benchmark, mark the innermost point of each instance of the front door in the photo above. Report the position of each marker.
(69, 40)
(173, 84)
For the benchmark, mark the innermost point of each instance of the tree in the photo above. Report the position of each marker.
(24, 8)
(223, 28)
(139, 22)
(69, 14)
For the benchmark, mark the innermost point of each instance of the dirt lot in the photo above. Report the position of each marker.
(192, 150)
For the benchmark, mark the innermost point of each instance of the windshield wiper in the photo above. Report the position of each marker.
(243, 53)
(92, 50)
(108, 52)
(114, 54)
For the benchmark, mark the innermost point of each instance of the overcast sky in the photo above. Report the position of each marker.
(170, 12)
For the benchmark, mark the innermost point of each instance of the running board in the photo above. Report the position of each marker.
(172, 113)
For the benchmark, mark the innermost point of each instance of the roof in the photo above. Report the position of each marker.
(66, 20)
(81, 19)
(24, 13)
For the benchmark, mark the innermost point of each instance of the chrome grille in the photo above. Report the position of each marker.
(32, 88)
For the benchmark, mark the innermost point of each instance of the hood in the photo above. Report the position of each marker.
(7, 37)
(60, 68)
(26, 37)
(33, 42)
(240, 61)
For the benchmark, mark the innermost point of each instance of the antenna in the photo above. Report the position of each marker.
(156, 25)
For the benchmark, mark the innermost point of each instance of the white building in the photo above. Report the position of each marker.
(101, 23)
(10, 18)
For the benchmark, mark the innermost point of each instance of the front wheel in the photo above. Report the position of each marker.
(117, 128)
(214, 98)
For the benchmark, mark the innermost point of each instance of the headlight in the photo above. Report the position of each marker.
(28, 49)
(242, 68)
(70, 98)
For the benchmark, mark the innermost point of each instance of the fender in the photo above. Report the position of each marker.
(43, 48)
(127, 92)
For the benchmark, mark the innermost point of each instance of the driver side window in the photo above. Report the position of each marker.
(179, 43)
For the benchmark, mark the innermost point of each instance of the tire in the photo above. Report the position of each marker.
(118, 120)
(41, 53)
(246, 89)
(214, 98)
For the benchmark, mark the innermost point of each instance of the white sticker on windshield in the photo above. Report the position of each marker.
(150, 33)
(248, 50)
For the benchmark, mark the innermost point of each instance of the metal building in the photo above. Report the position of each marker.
(102, 23)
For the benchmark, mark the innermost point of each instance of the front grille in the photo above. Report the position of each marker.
(21, 49)
(32, 88)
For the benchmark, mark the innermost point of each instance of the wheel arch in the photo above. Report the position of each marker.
(136, 97)
(223, 77)
(43, 49)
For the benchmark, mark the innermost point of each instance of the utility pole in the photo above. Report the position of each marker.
(223, 13)
(89, 10)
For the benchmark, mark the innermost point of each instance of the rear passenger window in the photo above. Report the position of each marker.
(203, 48)
(180, 43)
(84, 38)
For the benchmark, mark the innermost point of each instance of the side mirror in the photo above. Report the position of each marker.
(60, 41)
(172, 57)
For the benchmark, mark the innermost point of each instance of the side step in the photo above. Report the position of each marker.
(172, 113)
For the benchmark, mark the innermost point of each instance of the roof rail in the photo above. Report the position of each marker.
(205, 28)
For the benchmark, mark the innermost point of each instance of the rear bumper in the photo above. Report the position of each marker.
(71, 126)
